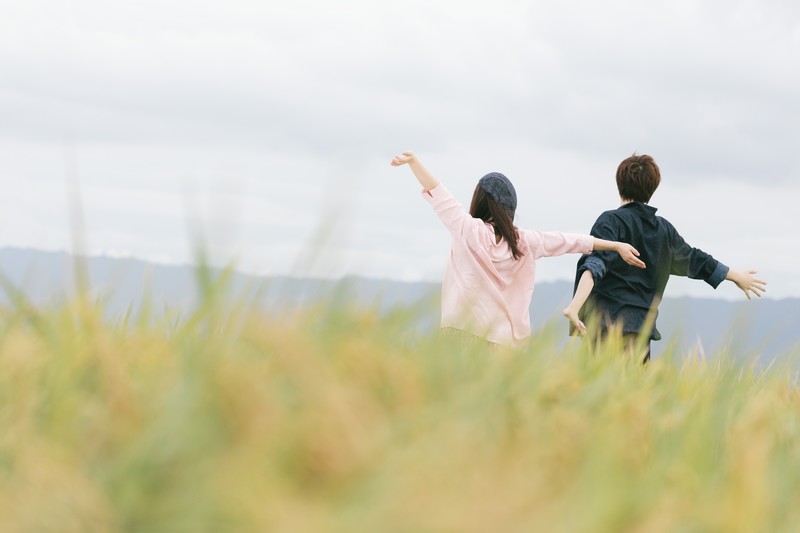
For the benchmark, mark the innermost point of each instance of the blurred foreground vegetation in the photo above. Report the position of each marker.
(338, 419)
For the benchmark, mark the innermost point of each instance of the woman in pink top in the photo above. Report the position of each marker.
(488, 283)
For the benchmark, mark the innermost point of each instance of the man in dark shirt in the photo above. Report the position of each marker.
(628, 297)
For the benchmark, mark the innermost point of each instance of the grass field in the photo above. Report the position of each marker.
(338, 419)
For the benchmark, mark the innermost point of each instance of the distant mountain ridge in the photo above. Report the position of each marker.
(760, 328)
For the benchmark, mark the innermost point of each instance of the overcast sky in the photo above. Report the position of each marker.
(268, 127)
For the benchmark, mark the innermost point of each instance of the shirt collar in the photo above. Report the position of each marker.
(641, 208)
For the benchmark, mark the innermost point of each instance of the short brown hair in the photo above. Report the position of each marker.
(638, 178)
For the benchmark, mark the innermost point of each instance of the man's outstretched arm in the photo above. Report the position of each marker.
(585, 286)
(697, 264)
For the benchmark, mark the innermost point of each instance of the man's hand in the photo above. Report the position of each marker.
(572, 315)
(402, 159)
(746, 281)
(630, 255)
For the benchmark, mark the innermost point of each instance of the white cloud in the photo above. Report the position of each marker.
(257, 119)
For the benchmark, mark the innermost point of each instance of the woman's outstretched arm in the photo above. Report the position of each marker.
(425, 178)
(444, 204)
(628, 253)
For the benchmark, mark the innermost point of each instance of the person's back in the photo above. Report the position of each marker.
(487, 288)
(624, 294)
(625, 297)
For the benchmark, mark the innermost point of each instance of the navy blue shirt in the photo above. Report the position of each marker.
(623, 293)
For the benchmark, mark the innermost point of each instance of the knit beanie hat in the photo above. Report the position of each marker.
(500, 189)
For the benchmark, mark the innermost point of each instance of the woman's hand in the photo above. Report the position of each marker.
(425, 178)
(402, 159)
(630, 255)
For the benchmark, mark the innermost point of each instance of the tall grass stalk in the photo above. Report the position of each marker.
(333, 418)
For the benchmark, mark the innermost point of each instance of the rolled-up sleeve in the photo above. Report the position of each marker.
(695, 263)
(594, 264)
(718, 276)
(599, 260)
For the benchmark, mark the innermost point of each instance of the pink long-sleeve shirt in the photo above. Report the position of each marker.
(485, 291)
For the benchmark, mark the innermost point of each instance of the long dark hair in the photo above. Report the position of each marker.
(485, 208)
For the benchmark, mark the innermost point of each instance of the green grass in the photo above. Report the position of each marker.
(338, 419)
